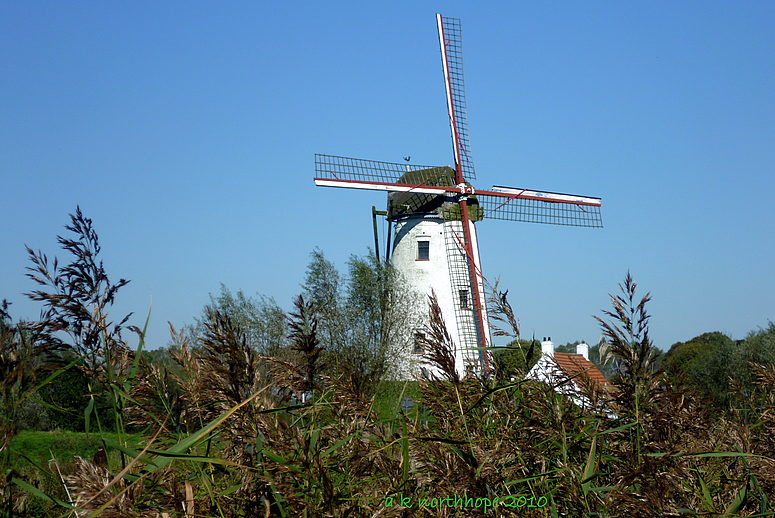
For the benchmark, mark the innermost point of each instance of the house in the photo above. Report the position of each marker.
(571, 374)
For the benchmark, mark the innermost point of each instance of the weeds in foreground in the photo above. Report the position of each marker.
(229, 432)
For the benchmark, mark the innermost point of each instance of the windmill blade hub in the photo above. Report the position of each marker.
(465, 189)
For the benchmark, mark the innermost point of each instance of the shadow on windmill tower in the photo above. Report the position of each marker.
(433, 211)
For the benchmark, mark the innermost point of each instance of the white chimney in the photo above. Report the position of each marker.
(583, 350)
(547, 347)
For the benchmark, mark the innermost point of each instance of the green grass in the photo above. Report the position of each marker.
(38, 447)
(387, 401)
(31, 459)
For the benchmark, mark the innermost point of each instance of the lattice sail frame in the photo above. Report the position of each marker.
(357, 169)
(451, 44)
(504, 203)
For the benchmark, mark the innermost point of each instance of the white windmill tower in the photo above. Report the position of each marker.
(433, 210)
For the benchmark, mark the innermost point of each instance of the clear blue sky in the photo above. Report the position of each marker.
(187, 130)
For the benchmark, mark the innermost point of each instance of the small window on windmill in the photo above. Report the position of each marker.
(419, 340)
(464, 302)
(423, 250)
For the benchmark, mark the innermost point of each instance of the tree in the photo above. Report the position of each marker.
(260, 318)
(752, 373)
(683, 357)
(322, 288)
(67, 395)
(704, 363)
(363, 318)
(516, 358)
(759, 348)
(26, 351)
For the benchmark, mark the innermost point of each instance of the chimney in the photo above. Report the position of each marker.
(583, 350)
(547, 347)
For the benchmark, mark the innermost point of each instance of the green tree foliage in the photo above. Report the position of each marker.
(720, 368)
(703, 362)
(67, 395)
(260, 318)
(27, 354)
(685, 356)
(363, 317)
(515, 359)
(161, 356)
(758, 347)
(322, 288)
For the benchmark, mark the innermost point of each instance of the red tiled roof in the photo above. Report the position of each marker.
(573, 365)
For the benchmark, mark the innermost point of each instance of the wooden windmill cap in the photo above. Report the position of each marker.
(402, 204)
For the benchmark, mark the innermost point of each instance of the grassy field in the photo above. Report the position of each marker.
(40, 447)
(42, 458)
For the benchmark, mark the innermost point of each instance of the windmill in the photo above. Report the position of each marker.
(433, 211)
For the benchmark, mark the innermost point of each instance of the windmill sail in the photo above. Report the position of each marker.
(420, 186)
(451, 42)
(344, 168)
(539, 207)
